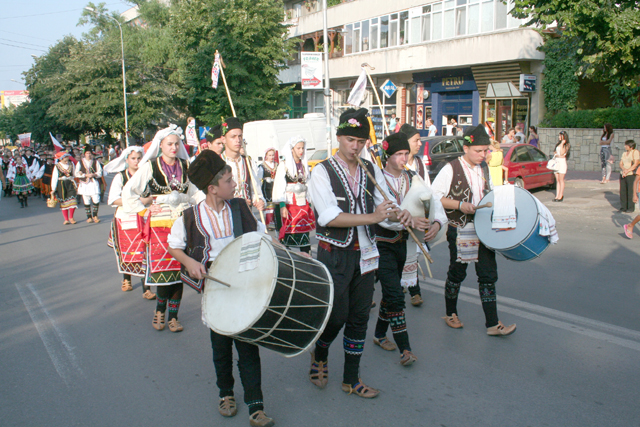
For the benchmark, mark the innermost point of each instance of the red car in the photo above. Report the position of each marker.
(527, 166)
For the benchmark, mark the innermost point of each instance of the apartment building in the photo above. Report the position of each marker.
(450, 59)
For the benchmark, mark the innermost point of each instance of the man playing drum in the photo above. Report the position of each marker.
(393, 251)
(196, 239)
(461, 185)
(347, 206)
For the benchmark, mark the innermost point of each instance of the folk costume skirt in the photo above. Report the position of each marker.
(128, 244)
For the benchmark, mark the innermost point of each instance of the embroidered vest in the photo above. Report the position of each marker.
(344, 237)
(125, 177)
(391, 236)
(159, 184)
(461, 191)
(198, 245)
(84, 170)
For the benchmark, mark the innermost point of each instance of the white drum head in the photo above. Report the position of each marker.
(230, 311)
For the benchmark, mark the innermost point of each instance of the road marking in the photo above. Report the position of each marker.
(595, 329)
(55, 340)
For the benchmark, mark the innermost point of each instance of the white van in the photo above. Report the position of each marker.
(264, 134)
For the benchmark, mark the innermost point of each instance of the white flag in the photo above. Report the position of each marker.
(56, 144)
(192, 136)
(215, 72)
(358, 91)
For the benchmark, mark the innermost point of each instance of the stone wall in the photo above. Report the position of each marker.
(585, 147)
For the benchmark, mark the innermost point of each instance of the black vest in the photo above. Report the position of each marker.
(198, 240)
(158, 183)
(344, 237)
(391, 236)
(461, 191)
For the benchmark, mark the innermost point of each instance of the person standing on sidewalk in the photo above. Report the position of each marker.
(605, 152)
(628, 164)
(628, 228)
(562, 153)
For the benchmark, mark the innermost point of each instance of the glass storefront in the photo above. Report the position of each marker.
(502, 114)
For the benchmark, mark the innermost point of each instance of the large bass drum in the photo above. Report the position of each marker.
(522, 243)
(282, 304)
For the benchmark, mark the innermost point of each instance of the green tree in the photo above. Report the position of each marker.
(254, 46)
(560, 83)
(606, 36)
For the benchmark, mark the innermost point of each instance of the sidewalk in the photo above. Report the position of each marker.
(587, 179)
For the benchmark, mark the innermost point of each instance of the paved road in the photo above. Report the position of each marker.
(76, 351)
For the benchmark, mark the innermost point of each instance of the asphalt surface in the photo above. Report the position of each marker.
(77, 351)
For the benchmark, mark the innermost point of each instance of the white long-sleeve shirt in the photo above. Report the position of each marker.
(325, 202)
(55, 176)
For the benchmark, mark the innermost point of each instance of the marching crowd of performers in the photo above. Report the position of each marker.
(174, 215)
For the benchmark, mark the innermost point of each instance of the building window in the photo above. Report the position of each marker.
(393, 30)
(348, 39)
(365, 36)
(461, 18)
(501, 15)
(384, 32)
(404, 27)
(356, 37)
(374, 33)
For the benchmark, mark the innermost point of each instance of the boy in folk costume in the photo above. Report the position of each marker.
(347, 206)
(295, 217)
(126, 239)
(63, 186)
(162, 173)
(461, 185)
(89, 171)
(47, 173)
(215, 140)
(414, 164)
(392, 246)
(241, 167)
(196, 239)
(266, 175)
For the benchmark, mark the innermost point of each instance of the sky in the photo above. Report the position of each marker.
(30, 27)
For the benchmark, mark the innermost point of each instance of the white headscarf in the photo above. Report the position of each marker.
(120, 163)
(289, 161)
(154, 148)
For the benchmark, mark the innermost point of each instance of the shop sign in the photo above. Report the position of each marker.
(388, 88)
(527, 83)
(453, 83)
(311, 70)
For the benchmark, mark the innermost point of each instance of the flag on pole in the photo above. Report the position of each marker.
(58, 147)
(192, 136)
(215, 71)
(359, 89)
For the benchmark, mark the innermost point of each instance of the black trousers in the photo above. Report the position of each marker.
(248, 365)
(626, 192)
(487, 272)
(391, 313)
(353, 293)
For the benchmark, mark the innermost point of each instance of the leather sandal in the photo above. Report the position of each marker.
(360, 389)
(416, 300)
(72, 221)
(89, 219)
(500, 330)
(227, 406)
(318, 373)
(384, 343)
(175, 326)
(260, 419)
(126, 285)
(96, 219)
(158, 320)
(453, 321)
(407, 358)
(148, 295)
(66, 223)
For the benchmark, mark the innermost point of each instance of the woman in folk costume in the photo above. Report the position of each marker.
(20, 176)
(125, 238)
(266, 174)
(295, 217)
(89, 171)
(162, 174)
(63, 186)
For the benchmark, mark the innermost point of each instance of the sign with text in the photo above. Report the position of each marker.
(311, 70)
(25, 139)
(527, 83)
(388, 88)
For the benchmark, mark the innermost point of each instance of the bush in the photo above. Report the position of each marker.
(620, 118)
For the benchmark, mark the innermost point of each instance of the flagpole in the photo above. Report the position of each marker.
(385, 128)
(224, 80)
(249, 165)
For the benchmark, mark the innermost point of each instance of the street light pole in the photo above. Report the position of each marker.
(327, 91)
(124, 74)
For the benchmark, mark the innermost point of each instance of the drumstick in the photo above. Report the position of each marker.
(206, 276)
(486, 205)
(409, 229)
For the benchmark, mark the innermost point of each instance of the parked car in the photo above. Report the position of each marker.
(527, 166)
(442, 149)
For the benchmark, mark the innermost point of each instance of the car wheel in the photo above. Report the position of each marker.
(519, 183)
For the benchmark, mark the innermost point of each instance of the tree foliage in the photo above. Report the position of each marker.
(560, 84)
(605, 34)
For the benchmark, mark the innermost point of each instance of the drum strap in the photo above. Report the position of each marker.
(236, 217)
